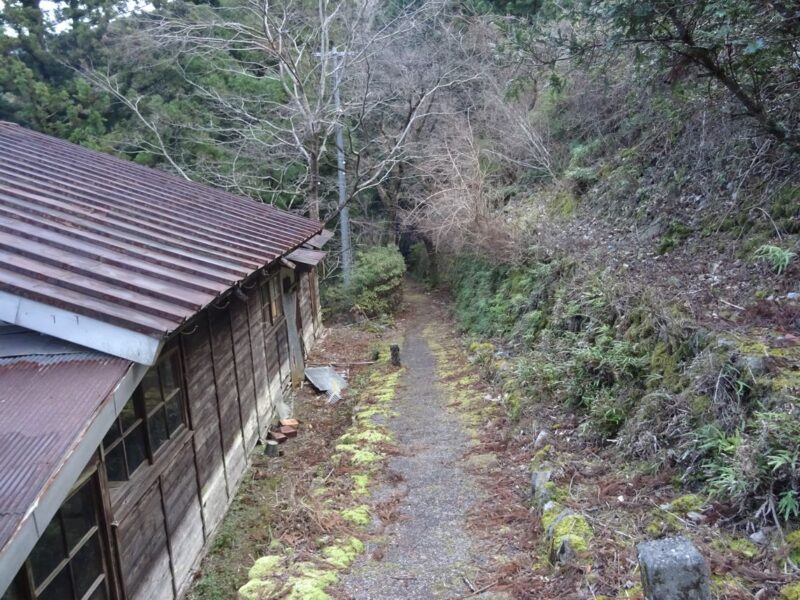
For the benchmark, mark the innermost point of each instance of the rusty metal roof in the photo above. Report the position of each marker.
(319, 240)
(307, 256)
(124, 244)
(50, 394)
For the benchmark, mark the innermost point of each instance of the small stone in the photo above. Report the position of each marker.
(673, 569)
(696, 517)
(759, 537)
(540, 491)
(754, 364)
(541, 439)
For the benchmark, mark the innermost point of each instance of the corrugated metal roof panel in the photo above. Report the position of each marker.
(50, 392)
(319, 240)
(122, 243)
(307, 256)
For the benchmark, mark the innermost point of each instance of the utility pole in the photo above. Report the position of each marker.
(344, 210)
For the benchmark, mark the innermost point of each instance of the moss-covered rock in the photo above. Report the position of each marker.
(564, 528)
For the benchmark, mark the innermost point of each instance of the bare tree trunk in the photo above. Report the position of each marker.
(313, 184)
(433, 265)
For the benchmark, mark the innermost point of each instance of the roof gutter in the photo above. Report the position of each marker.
(14, 554)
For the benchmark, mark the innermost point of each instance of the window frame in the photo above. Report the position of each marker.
(25, 583)
(145, 416)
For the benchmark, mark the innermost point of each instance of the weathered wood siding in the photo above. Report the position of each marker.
(245, 377)
(143, 549)
(306, 311)
(235, 368)
(264, 404)
(184, 520)
(228, 395)
(201, 395)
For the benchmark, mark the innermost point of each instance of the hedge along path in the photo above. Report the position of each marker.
(424, 548)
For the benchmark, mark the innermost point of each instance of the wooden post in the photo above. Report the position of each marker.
(271, 448)
(395, 349)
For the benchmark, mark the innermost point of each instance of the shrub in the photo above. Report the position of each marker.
(378, 280)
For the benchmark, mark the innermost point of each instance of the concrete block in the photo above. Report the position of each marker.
(673, 569)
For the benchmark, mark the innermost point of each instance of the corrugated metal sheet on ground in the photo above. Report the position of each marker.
(47, 401)
(123, 243)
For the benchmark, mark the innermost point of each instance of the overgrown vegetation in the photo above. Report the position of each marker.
(376, 289)
(645, 378)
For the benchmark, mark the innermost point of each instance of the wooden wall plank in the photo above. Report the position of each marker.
(144, 555)
(228, 395)
(201, 394)
(183, 519)
(306, 311)
(245, 377)
(264, 405)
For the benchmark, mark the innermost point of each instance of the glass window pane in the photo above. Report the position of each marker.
(12, 593)
(174, 413)
(135, 448)
(48, 552)
(87, 565)
(100, 593)
(59, 589)
(115, 464)
(169, 371)
(157, 423)
(113, 435)
(78, 514)
(265, 304)
(128, 416)
(151, 389)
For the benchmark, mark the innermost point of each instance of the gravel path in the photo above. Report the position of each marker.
(428, 551)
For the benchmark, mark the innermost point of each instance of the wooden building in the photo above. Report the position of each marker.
(151, 331)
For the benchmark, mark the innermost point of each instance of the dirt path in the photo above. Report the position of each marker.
(427, 552)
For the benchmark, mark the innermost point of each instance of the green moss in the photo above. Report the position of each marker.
(565, 204)
(361, 482)
(264, 567)
(663, 523)
(727, 585)
(256, 589)
(311, 584)
(357, 516)
(481, 461)
(540, 456)
(676, 234)
(635, 592)
(740, 546)
(793, 541)
(371, 436)
(570, 528)
(686, 504)
(791, 591)
(342, 555)
(665, 363)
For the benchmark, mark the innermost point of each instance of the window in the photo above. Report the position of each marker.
(275, 307)
(153, 416)
(68, 562)
(271, 300)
